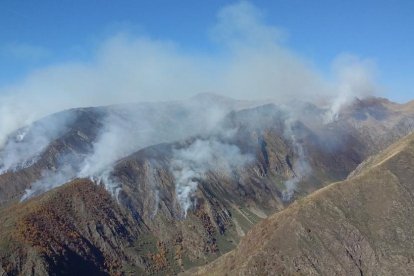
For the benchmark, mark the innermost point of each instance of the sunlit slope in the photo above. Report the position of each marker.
(76, 229)
(79, 224)
(361, 226)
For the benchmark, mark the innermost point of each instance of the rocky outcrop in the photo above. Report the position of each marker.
(143, 229)
(361, 226)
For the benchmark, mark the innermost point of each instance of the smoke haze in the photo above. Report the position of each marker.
(252, 63)
(189, 165)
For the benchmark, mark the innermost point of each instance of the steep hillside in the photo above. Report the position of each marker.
(79, 128)
(182, 203)
(361, 226)
(76, 229)
(62, 141)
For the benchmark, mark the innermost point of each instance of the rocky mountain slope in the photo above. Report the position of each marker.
(77, 229)
(68, 137)
(185, 202)
(361, 226)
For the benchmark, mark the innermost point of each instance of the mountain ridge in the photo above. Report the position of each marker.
(360, 226)
(267, 148)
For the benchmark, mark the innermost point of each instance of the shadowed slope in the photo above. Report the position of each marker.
(146, 230)
(361, 226)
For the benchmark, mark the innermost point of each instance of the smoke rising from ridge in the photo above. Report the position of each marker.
(24, 146)
(355, 78)
(128, 128)
(190, 164)
(253, 63)
(301, 167)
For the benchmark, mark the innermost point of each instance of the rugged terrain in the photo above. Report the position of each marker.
(80, 227)
(361, 226)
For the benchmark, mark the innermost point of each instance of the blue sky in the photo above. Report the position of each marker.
(37, 34)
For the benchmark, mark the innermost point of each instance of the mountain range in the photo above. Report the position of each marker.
(210, 185)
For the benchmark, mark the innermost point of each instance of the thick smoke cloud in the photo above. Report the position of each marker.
(128, 128)
(24, 146)
(252, 62)
(190, 165)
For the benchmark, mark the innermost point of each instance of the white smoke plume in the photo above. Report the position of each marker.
(354, 78)
(300, 166)
(252, 62)
(104, 178)
(128, 128)
(24, 146)
(191, 164)
(48, 181)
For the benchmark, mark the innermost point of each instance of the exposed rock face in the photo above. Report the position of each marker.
(144, 229)
(69, 136)
(361, 226)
